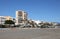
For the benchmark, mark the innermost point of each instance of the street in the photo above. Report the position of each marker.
(29, 33)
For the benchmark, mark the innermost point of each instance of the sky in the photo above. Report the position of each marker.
(44, 10)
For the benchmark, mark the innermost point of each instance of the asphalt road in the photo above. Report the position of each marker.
(17, 33)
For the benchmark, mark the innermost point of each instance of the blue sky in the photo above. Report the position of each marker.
(46, 10)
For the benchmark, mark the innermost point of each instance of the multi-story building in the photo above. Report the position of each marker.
(3, 18)
(21, 17)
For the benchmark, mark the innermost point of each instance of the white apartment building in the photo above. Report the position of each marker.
(21, 17)
(3, 18)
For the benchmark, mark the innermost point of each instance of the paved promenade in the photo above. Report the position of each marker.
(18, 33)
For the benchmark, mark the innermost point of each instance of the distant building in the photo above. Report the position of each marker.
(21, 17)
(37, 21)
(3, 18)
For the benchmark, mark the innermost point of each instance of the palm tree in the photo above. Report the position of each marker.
(9, 22)
(32, 23)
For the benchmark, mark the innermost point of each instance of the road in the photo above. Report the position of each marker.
(17, 33)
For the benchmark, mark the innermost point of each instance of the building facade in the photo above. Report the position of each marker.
(21, 17)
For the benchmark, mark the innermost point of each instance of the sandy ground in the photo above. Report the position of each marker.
(17, 33)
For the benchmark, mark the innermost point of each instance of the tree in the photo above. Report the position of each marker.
(32, 23)
(9, 22)
(45, 25)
